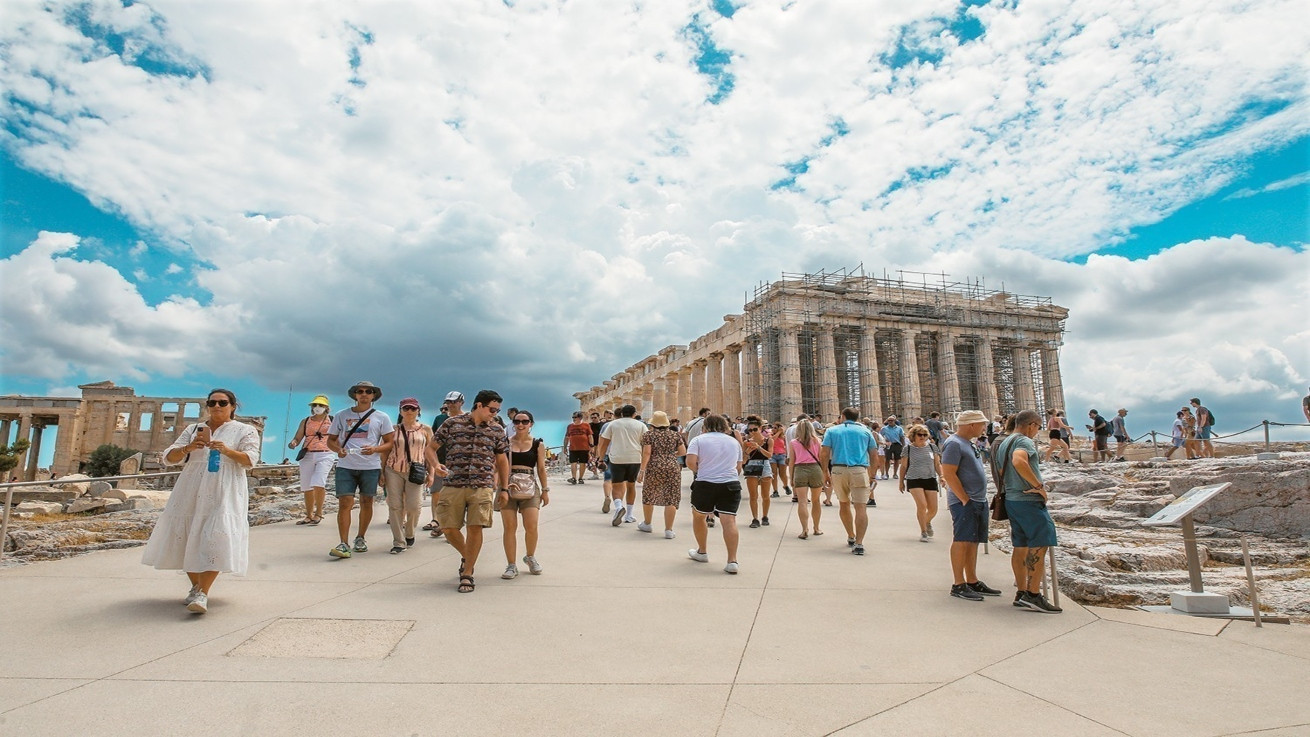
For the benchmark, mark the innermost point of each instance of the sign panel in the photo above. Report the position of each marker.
(1185, 504)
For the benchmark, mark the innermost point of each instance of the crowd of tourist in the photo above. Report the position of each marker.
(477, 466)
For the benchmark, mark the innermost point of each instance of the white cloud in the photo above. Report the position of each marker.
(1292, 181)
(540, 194)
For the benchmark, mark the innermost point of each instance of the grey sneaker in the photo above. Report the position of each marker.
(1038, 603)
(191, 596)
(340, 551)
(982, 588)
(200, 604)
(618, 516)
(605, 506)
(644, 527)
(698, 556)
(961, 591)
(929, 529)
(731, 567)
(533, 566)
(360, 545)
(857, 549)
(511, 571)
(670, 534)
(923, 537)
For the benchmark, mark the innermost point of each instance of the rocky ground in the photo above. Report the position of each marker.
(1106, 557)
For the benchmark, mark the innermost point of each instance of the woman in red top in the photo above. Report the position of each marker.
(778, 459)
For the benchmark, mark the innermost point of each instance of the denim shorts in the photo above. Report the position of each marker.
(1203, 432)
(1030, 524)
(365, 481)
(969, 521)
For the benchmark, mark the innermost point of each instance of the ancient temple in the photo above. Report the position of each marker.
(906, 345)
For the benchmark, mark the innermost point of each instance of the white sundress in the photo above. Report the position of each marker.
(204, 525)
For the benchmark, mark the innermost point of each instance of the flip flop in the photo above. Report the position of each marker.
(466, 585)
(304, 521)
(803, 535)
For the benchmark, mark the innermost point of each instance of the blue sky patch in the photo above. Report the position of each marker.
(135, 49)
(710, 60)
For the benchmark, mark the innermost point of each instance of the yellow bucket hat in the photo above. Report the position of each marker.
(320, 399)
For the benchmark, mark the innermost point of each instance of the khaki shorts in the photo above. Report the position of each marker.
(851, 483)
(519, 504)
(807, 476)
(460, 505)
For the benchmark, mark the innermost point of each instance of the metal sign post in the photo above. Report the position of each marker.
(1195, 601)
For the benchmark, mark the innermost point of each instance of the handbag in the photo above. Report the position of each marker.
(755, 467)
(998, 502)
(522, 484)
(418, 472)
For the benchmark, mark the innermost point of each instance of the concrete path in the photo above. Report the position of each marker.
(621, 635)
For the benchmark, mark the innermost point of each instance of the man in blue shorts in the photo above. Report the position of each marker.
(358, 436)
(1204, 425)
(1031, 529)
(962, 470)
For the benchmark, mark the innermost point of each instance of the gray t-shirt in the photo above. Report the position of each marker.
(958, 452)
(1016, 487)
(370, 433)
(921, 465)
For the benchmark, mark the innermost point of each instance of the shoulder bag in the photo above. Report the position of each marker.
(304, 442)
(1003, 456)
(522, 484)
(418, 472)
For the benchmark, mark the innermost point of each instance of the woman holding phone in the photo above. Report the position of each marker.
(203, 529)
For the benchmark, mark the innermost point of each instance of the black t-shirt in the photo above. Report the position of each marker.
(436, 422)
(1100, 426)
(595, 432)
(527, 458)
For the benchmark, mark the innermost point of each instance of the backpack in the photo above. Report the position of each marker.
(1213, 421)
(1104, 429)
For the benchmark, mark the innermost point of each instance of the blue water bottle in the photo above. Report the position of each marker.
(213, 460)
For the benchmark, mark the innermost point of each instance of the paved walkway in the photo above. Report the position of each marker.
(621, 635)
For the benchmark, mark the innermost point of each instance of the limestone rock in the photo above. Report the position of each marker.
(113, 494)
(86, 504)
(41, 494)
(97, 489)
(40, 507)
(77, 482)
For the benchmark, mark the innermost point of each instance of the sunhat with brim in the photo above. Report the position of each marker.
(409, 402)
(377, 393)
(969, 417)
(320, 399)
(659, 419)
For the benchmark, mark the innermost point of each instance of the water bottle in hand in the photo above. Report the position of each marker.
(213, 460)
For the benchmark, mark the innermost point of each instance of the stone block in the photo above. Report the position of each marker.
(40, 507)
(42, 494)
(77, 482)
(1199, 603)
(86, 504)
(129, 505)
(97, 489)
(113, 494)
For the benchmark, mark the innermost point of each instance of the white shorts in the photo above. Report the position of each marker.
(314, 468)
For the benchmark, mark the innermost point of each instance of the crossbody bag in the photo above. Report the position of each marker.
(418, 471)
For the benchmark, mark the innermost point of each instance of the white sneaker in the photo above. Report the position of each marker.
(731, 567)
(644, 527)
(533, 566)
(669, 534)
(629, 519)
(511, 571)
(698, 556)
(191, 596)
(200, 604)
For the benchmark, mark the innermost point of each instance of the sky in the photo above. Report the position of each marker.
(285, 198)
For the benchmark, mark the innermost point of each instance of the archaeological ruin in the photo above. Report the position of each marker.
(105, 414)
(907, 344)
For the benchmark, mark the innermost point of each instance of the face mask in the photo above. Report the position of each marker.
(318, 409)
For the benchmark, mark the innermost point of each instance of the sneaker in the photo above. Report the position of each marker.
(360, 545)
(764, 520)
(1038, 603)
(961, 591)
(871, 503)
(787, 489)
(580, 481)
(511, 571)
(795, 500)
(409, 541)
(191, 596)
(923, 537)
(669, 534)
(340, 551)
(200, 604)
(533, 566)
(850, 542)
(774, 495)
(982, 588)
(731, 567)
(644, 527)
(1018, 599)
(858, 549)
(629, 519)
(397, 549)
(929, 529)
(605, 506)
(709, 520)
(618, 515)
(755, 523)
(698, 556)
(572, 482)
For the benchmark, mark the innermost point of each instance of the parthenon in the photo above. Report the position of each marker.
(906, 345)
(105, 414)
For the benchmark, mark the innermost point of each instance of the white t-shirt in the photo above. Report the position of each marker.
(370, 433)
(625, 439)
(695, 428)
(717, 456)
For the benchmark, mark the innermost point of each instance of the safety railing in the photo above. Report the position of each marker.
(1215, 438)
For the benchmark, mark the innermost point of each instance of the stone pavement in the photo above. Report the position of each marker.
(622, 634)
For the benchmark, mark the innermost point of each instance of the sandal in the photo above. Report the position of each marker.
(436, 533)
(316, 520)
(431, 526)
(461, 567)
(803, 535)
(466, 585)
(818, 532)
(305, 521)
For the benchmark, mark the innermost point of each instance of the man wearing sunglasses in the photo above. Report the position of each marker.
(963, 472)
(358, 436)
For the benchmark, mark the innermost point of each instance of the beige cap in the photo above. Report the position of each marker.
(659, 419)
(969, 417)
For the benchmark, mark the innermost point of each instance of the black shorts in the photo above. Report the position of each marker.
(969, 522)
(1102, 442)
(925, 484)
(579, 456)
(624, 473)
(708, 497)
(1056, 435)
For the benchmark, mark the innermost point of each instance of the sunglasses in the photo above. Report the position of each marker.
(409, 409)
(366, 391)
(492, 410)
(217, 403)
(522, 422)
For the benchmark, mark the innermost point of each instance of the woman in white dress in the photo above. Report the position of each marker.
(203, 530)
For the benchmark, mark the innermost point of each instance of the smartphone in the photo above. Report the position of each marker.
(202, 433)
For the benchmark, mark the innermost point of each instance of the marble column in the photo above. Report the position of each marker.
(732, 381)
(826, 368)
(991, 402)
(950, 375)
(911, 402)
(750, 371)
(671, 393)
(870, 397)
(698, 385)
(34, 453)
(714, 382)
(648, 401)
(685, 412)
(657, 400)
(1025, 395)
(1052, 385)
(789, 358)
(24, 433)
(4, 431)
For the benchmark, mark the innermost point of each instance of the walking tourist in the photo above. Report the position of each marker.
(1031, 529)
(1204, 426)
(1100, 428)
(578, 442)
(809, 476)
(935, 429)
(620, 445)
(315, 458)
(962, 470)
(1119, 430)
(1190, 442)
(661, 473)
(714, 457)
(476, 472)
(755, 447)
(358, 436)
(778, 459)
(1055, 435)
(895, 437)
(203, 528)
(451, 406)
(880, 467)
(529, 491)
(851, 450)
(402, 481)
(919, 473)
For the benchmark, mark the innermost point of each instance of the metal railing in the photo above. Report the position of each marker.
(1216, 438)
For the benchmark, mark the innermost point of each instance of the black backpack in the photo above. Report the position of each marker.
(1213, 421)
(1102, 429)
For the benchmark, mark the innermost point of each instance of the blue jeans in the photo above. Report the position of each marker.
(365, 481)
